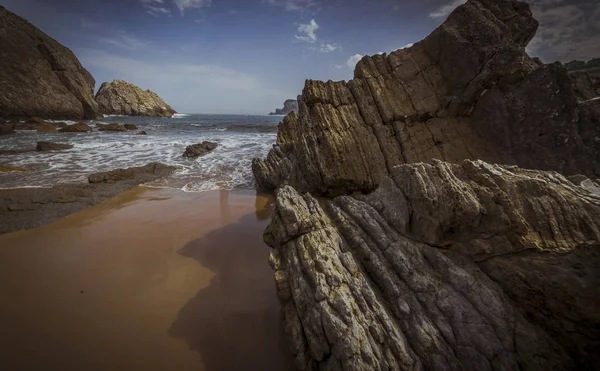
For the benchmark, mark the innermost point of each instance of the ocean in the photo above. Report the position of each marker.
(241, 138)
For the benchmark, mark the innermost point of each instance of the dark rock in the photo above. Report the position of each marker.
(130, 127)
(135, 174)
(46, 127)
(111, 127)
(289, 105)
(51, 146)
(141, 133)
(35, 121)
(41, 77)
(199, 149)
(7, 128)
(79, 127)
(60, 125)
(458, 94)
(122, 98)
(444, 266)
(32, 207)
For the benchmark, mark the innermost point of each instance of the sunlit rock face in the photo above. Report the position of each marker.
(122, 98)
(431, 245)
(39, 77)
(467, 91)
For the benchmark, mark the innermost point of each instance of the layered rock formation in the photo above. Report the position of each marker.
(458, 267)
(290, 105)
(122, 98)
(39, 76)
(467, 91)
(421, 255)
(200, 149)
(592, 66)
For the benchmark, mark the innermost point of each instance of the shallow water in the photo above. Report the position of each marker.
(149, 280)
(240, 138)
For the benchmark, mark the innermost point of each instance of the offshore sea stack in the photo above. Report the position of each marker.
(122, 98)
(433, 246)
(39, 76)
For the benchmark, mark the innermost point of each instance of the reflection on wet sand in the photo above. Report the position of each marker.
(150, 280)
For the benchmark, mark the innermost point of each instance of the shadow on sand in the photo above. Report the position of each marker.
(235, 323)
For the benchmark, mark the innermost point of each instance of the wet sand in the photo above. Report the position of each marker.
(148, 280)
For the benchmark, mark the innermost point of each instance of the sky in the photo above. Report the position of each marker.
(248, 56)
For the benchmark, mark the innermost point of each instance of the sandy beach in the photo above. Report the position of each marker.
(148, 280)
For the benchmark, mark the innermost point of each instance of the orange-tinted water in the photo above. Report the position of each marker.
(149, 280)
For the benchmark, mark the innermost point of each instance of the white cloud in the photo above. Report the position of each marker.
(309, 30)
(445, 10)
(189, 87)
(336, 66)
(326, 48)
(182, 5)
(407, 46)
(155, 11)
(293, 5)
(124, 40)
(353, 60)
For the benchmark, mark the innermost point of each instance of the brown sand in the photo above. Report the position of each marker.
(149, 280)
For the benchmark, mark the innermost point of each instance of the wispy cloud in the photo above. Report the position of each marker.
(326, 48)
(293, 5)
(308, 32)
(125, 40)
(445, 10)
(182, 5)
(353, 60)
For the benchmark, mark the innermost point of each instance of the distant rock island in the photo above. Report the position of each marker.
(39, 76)
(592, 66)
(290, 105)
(122, 98)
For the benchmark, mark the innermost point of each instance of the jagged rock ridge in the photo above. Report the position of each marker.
(290, 105)
(467, 91)
(440, 262)
(39, 76)
(122, 98)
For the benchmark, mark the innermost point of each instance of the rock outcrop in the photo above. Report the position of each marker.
(80, 127)
(122, 98)
(51, 146)
(31, 207)
(111, 127)
(422, 255)
(592, 66)
(199, 149)
(39, 76)
(290, 105)
(467, 91)
(443, 267)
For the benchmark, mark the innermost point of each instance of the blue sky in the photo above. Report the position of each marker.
(248, 56)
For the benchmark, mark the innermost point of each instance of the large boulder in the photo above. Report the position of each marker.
(80, 127)
(199, 149)
(39, 76)
(111, 127)
(138, 175)
(443, 267)
(46, 127)
(122, 98)
(51, 146)
(467, 91)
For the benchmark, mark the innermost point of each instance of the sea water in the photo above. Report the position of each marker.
(241, 138)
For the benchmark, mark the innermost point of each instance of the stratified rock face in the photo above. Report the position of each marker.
(443, 267)
(290, 105)
(39, 76)
(468, 91)
(122, 98)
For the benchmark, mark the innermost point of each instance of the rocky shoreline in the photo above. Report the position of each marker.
(27, 208)
(432, 245)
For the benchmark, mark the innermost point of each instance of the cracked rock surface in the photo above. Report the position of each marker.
(443, 267)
